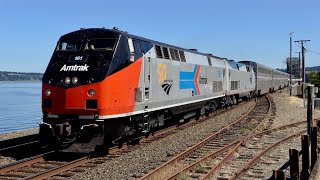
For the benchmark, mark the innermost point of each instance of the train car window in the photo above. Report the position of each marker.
(176, 54)
(209, 61)
(165, 52)
(158, 51)
(106, 44)
(183, 58)
(130, 45)
(173, 57)
(136, 45)
(145, 46)
(69, 46)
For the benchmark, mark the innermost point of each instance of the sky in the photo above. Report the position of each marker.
(254, 30)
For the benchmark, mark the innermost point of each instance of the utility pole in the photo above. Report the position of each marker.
(299, 67)
(303, 68)
(290, 34)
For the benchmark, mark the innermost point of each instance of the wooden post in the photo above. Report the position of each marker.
(314, 146)
(294, 164)
(279, 175)
(305, 156)
(310, 108)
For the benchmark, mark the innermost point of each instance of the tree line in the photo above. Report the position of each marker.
(19, 76)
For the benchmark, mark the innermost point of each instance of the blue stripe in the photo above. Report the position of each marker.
(186, 75)
(187, 80)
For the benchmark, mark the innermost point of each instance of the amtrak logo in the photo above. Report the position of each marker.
(166, 88)
(75, 68)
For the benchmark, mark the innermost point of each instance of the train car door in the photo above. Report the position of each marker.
(147, 78)
(226, 77)
(138, 48)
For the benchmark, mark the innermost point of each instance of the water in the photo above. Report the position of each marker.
(20, 105)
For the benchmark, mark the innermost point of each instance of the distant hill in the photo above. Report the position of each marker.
(314, 68)
(19, 76)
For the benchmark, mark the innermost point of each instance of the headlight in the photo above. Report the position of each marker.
(67, 80)
(91, 92)
(48, 92)
(74, 80)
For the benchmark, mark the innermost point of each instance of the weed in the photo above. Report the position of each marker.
(200, 169)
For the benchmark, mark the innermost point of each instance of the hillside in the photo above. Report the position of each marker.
(314, 68)
(19, 76)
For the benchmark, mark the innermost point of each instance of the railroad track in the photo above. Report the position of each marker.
(201, 167)
(16, 147)
(39, 167)
(230, 137)
(213, 140)
(211, 158)
(258, 151)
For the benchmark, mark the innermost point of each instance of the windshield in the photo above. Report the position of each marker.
(69, 46)
(105, 44)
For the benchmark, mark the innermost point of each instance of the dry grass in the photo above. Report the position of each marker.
(168, 171)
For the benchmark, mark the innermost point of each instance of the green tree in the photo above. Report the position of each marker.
(314, 78)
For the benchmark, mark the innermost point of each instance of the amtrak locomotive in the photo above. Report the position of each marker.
(106, 87)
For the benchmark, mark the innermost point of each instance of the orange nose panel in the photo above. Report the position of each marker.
(75, 98)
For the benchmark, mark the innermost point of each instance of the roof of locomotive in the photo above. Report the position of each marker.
(102, 31)
(266, 67)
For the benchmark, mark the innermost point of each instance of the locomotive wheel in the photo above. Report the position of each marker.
(234, 100)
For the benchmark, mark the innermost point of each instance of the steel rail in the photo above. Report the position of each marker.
(23, 162)
(225, 148)
(281, 127)
(17, 146)
(255, 159)
(215, 153)
(200, 144)
(18, 140)
(232, 151)
(60, 169)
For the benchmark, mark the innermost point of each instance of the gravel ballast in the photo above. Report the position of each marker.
(289, 109)
(147, 157)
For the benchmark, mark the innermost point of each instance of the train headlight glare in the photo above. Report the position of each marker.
(48, 92)
(67, 80)
(74, 80)
(91, 92)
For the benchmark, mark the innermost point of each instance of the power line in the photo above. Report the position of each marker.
(313, 51)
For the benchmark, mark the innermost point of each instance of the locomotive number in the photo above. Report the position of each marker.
(78, 58)
(162, 72)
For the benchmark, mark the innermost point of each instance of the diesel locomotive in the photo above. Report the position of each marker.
(106, 87)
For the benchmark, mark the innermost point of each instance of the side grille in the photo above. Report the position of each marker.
(217, 86)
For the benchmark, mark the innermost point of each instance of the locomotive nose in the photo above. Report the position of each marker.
(81, 98)
(78, 100)
(75, 98)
